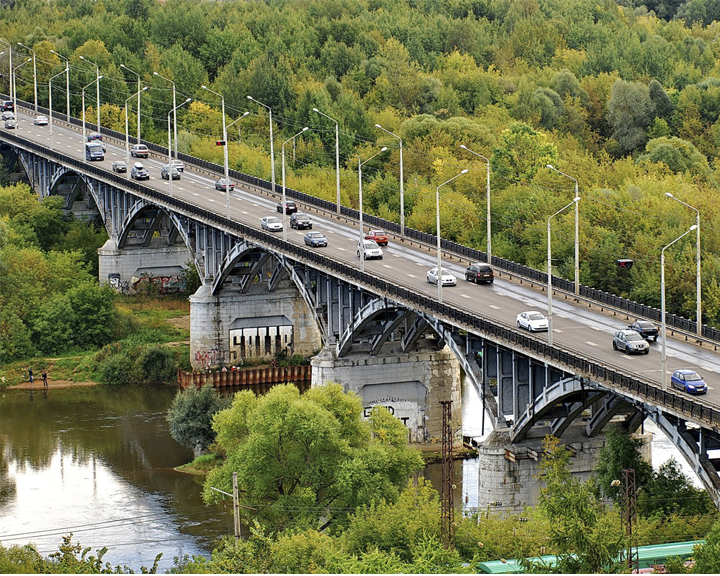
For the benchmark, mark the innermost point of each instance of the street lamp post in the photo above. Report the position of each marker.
(97, 77)
(337, 157)
(170, 161)
(402, 180)
(127, 124)
(662, 299)
(14, 82)
(236, 121)
(437, 230)
(361, 244)
(11, 88)
(175, 107)
(34, 71)
(487, 196)
(138, 97)
(272, 149)
(83, 105)
(549, 269)
(225, 146)
(50, 107)
(698, 312)
(67, 83)
(577, 228)
(282, 149)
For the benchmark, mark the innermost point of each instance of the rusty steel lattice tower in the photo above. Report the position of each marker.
(447, 504)
(629, 518)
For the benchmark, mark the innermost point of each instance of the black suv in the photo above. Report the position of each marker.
(301, 220)
(646, 329)
(7, 105)
(479, 273)
(290, 207)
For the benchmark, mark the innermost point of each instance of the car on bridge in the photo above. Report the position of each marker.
(119, 166)
(271, 224)
(167, 170)
(8, 115)
(11, 123)
(139, 151)
(7, 105)
(689, 381)
(380, 236)
(139, 172)
(290, 207)
(448, 278)
(315, 239)
(179, 164)
(532, 320)
(479, 273)
(223, 185)
(646, 329)
(630, 342)
(370, 250)
(41, 121)
(301, 220)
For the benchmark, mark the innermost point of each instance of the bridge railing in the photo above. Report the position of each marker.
(460, 317)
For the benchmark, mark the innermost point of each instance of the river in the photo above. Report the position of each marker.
(99, 463)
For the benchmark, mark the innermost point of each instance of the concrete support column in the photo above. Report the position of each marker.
(122, 263)
(410, 385)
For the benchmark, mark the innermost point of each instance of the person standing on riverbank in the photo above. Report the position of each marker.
(30, 375)
(44, 377)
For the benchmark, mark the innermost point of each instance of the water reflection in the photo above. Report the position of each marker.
(99, 463)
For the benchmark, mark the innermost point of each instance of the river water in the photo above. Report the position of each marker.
(99, 463)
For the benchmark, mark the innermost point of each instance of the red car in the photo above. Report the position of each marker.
(379, 236)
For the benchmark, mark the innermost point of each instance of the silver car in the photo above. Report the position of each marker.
(271, 224)
(532, 320)
(630, 342)
(448, 278)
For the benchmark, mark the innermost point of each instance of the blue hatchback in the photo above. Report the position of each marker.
(689, 381)
(315, 239)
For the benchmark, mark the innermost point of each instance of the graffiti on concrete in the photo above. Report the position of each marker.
(209, 358)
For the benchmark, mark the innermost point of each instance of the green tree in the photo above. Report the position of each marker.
(520, 153)
(707, 555)
(191, 414)
(677, 154)
(630, 112)
(583, 533)
(621, 452)
(308, 460)
(669, 491)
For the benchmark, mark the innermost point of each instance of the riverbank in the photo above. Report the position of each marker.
(52, 384)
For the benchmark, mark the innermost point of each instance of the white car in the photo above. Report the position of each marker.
(370, 250)
(532, 320)
(8, 115)
(271, 224)
(448, 278)
(41, 121)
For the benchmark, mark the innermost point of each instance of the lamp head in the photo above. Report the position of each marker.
(466, 170)
(378, 126)
(463, 146)
(204, 87)
(383, 149)
(693, 227)
(669, 195)
(576, 199)
(100, 77)
(316, 110)
(306, 128)
(550, 166)
(249, 97)
(123, 66)
(144, 87)
(188, 100)
(247, 113)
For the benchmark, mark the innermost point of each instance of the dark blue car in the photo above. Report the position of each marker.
(315, 239)
(689, 381)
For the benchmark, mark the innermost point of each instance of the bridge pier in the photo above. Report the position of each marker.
(119, 266)
(234, 325)
(409, 384)
(508, 472)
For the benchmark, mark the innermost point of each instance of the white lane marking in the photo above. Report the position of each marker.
(557, 330)
(597, 328)
(465, 296)
(590, 343)
(493, 307)
(387, 266)
(343, 249)
(412, 275)
(243, 212)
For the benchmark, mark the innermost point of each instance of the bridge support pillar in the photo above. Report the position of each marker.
(409, 384)
(227, 328)
(507, 481)
(119, 266)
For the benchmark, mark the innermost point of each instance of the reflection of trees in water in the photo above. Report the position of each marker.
(8, 487)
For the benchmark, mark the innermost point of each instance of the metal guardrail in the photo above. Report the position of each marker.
(605, 298)
(463, 319)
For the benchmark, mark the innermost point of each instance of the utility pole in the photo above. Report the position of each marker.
(236, 506)
(629, 518)
(447, 504)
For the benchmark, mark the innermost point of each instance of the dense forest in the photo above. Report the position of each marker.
(622, 96)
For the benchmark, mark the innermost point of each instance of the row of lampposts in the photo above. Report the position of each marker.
(575, 202)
